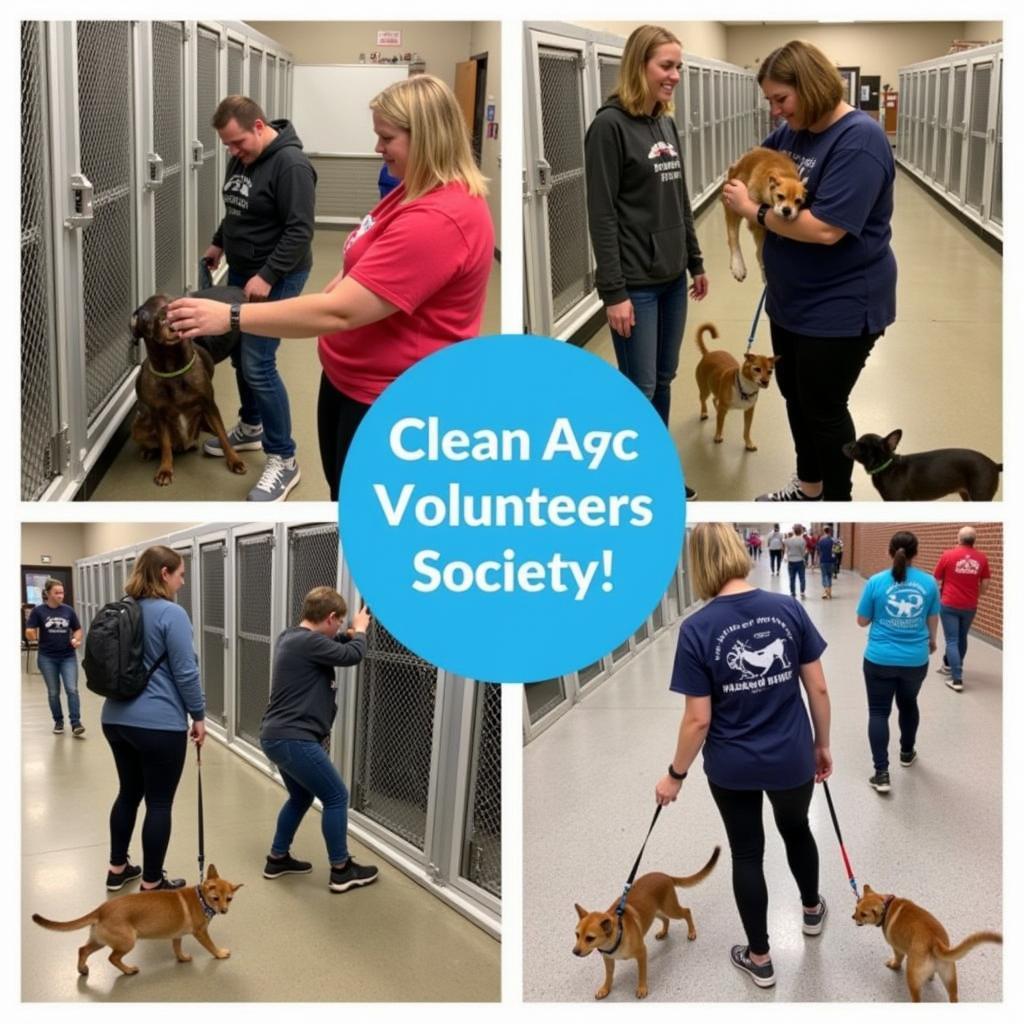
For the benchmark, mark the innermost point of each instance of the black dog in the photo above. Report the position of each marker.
(924, 476)
(175, 393)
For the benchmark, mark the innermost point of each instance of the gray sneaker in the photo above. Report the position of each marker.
(242, 440)
(277, 480)
(762, 975)
(815, 921)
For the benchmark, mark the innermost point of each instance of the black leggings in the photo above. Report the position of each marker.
(741, 813)
(337, 417)
(816, 376)
(776, 560)
(149, 764)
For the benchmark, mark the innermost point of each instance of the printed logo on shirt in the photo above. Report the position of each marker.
(364, 225)
(57, 624)
(904, 604)
(662, 149)
(968, 566)
(236, 193)
(671, 168)
(756, 653)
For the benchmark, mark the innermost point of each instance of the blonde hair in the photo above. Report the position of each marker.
(320, 602)
(717, 555)
(146, 579)
(632, 89)
(812, 76)
(439, 149)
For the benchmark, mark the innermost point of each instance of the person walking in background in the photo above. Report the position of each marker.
(55, 627)
(638, 210)
(901, 605)
(963, 575)
(148, 735)
(775, 545)
(825, 548)
(757, 740)
(811, 540)
(837, 554)
(796, 552)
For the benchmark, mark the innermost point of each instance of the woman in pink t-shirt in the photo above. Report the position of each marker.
(414, 274)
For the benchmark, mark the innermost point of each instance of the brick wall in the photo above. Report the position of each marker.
(866, 550)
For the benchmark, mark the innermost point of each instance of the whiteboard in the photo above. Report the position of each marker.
(331, 105)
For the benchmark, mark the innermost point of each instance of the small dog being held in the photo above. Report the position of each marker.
(164, 914)
(924, 476)
(652, 896)
(730, 385)
(913, 933)
(771, 177)
(175, 393)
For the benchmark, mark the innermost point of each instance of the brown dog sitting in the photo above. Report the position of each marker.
(913, 933)
(167, 914)
(730, 385)
(175, 393)
(652, 896)
(771, 178)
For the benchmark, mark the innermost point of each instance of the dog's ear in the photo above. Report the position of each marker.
(580, 912)
(749, 357)
(773, 182)
(893, 439)
(235, 888)
(211, 872)
(868, 890)
(606, 925)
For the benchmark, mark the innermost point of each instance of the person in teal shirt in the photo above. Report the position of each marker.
(901, 606)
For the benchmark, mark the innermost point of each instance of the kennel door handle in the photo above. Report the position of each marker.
(81, 203)
(543, 178)
(197, 153)
(156, 170)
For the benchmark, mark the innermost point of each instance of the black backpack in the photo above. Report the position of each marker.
(114, 664)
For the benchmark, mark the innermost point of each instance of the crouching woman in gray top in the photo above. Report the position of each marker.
(149, 734)
(296, 728)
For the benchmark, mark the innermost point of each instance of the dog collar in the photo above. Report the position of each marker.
(885, 909)
(618, 941)
(878, 469)
(739, 388)
(176, 373)
(207, 909)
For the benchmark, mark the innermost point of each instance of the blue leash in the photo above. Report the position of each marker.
(757, 316)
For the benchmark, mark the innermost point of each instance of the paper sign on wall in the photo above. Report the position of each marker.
(389, 37)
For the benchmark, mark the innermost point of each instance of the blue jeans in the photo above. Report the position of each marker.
(56, 670)
(649, 357)
(885, 682)
(826, 574)
(956, 624)
(797, 571)
(307, 772)
(263, 394)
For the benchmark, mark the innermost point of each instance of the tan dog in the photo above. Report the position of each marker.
(652, 896)
(730, 385)
(913, 933)
(771, 177)
(166, 914)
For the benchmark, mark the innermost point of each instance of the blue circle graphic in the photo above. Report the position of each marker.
(512, 508)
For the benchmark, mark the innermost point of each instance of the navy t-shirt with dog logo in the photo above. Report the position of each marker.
(849, 288)
(56, 627)
(744, 651)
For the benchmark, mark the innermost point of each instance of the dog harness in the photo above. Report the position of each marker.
(208, 911)
(885, 909)
(878, 469)
(176, 373)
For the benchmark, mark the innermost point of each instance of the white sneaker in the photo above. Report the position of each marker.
(277, 480)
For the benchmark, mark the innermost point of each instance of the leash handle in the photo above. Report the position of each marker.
(199, 784)
(757, 316)
(621, 909)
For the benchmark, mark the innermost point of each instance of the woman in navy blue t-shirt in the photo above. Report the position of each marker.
(741, 661)
(830, 272)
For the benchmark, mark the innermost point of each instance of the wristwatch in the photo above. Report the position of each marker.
(236, 316)
(676, 775)
(762, 210)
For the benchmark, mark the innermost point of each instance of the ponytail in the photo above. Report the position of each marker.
(902, 550)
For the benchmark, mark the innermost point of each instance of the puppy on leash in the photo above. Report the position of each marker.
(730, 385)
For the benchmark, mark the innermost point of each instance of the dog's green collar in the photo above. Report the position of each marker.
(878, 469)
(176, 373)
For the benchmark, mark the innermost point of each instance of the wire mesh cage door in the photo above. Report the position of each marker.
(212, 558)
(997, 156)
(312, 562)
(694, 134)
(236, 68)
(481, 860)
(270, 104)
(42, 457)
(256, 76)
(208, 95)
(106, 145)
(941, 128)
(166, 164)
(978, 133)
(254, 555)
(957, 130)
(396, 702)
(184, 595)
(562, 130)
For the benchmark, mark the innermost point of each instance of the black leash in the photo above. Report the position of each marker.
(621, 908)
(839, 836)
(199, 781)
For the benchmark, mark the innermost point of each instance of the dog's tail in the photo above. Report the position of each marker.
(688, 880)
(712, 330)
(943, 952)
(68, 926)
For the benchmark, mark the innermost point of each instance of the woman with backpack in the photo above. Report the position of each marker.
(148, 734)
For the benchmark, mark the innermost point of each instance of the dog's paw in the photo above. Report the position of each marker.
(641, 991)
(602, 992)
(719, 439)
(83, 970)
(893, 965)
(185, 958)
(738, 268)
(164, 477)
(703, 416)
(129, 969)
(237, 466)
(751, 447)
(692, 934)
(222, 954)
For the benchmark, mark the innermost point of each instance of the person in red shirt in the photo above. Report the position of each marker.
(811, 540)
(963, 576)
(414, 275)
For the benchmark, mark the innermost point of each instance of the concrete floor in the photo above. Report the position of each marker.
(291, 939)
(200, 478)
(943, 354)
(935, 839)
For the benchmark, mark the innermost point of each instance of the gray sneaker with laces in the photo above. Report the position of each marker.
(762, 975)
(242, 438)
(277, 480)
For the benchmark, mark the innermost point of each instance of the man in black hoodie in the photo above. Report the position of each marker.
(269, 198)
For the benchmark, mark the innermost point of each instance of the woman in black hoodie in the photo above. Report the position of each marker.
(641, 224)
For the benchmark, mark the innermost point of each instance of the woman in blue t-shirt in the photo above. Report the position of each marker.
(901, 605)
(741, 661)
(830, 272)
